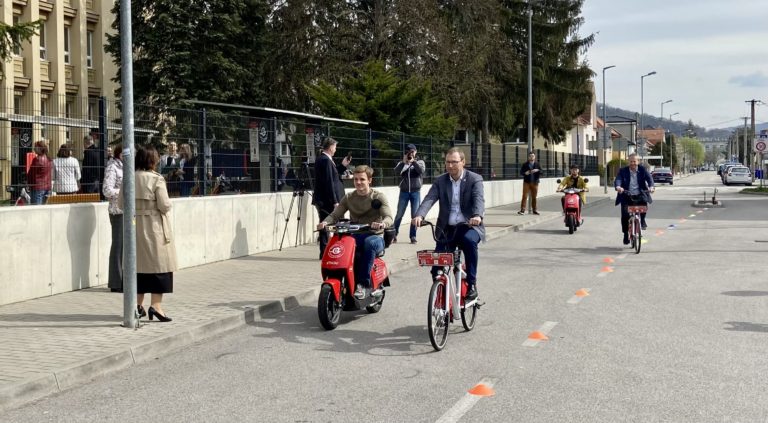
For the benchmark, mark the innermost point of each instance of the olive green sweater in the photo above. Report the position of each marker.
(361, 210)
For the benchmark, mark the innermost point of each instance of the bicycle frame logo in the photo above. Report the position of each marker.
(336, 251)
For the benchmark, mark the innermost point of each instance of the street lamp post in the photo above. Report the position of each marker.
(530, 79)
(671, 145)
(640, 138)
(605, 138)
(661, 150)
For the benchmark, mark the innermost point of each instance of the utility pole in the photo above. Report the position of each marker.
(746, 150)
(754, 134)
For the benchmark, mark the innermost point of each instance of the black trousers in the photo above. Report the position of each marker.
(625, 213)
(323, 235)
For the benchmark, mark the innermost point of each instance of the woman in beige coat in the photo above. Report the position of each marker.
(155, 251)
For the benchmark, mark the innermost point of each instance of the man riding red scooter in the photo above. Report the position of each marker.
(354, 276)
(575, 188)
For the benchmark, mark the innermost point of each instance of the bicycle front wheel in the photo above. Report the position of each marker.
(438, 315)
(638, 236)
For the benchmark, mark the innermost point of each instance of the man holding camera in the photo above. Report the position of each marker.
(329, 190)
(411, 171)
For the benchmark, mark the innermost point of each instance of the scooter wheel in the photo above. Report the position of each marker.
(328, 309)
(571, 222)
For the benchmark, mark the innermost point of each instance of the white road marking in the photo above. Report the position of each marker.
(621, 256)
(545, 329)
(463, 405)
(576, 299)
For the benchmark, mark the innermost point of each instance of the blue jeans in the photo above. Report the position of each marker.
(414, 198)
(368, 245)
(39, 196)
(467, 240)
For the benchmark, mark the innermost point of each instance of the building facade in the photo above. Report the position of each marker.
(51, 88)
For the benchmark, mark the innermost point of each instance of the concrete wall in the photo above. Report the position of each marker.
(46, 250)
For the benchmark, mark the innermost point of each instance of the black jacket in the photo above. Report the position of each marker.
(329, 189)
(533, 177)
(91, 164)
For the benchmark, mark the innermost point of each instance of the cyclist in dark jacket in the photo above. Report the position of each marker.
(411, 171)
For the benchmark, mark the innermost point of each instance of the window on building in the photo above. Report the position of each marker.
(93, 109)
(43, 43)
(66, 44)
(18, 101)
(89, 50)
(16, 49)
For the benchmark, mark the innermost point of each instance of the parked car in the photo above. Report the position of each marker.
(738, 175)
(727, 168)
(662, 174)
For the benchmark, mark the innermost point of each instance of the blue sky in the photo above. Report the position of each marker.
(710, 56)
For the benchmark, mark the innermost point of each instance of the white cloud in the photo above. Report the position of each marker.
(756, 79)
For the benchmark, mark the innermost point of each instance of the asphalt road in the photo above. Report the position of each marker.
(677, 333)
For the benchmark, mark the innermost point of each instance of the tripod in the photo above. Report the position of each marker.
(298, 192)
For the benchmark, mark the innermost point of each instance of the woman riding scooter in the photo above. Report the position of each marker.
(574, 180)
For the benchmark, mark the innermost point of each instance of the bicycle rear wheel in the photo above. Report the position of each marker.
(468, 316)
(438, 315)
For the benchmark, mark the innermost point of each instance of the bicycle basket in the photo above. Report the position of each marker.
(637, 209)
(434, 258)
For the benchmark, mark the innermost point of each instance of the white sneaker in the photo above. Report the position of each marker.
(359, 292)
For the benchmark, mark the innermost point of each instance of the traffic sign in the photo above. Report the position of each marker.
(760, 145)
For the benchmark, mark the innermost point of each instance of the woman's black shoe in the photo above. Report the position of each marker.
(115, 289)
(141, 310)
(153, 313)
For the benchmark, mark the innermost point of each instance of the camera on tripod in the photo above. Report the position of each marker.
(302, 179)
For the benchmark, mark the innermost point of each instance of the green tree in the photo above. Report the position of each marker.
(193, 49)
(387, 102)
(11, 36)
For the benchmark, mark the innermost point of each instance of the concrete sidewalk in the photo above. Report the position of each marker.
(54, 343)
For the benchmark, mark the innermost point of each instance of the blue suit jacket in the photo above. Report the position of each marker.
(471, 199)
(644, 179)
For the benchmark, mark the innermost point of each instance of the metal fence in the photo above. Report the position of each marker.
(229, 149)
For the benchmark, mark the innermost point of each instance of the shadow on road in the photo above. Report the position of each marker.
(302, 326)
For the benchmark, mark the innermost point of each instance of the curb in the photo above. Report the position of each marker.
(46, 384)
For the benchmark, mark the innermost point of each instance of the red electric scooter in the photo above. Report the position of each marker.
(572, 207)
(338, 270)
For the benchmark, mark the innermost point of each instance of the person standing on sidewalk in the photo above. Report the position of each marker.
(531, 173)
(329, 190)
(459, 193)
(411, 171)
(90, 181)
(113, 183)
(40, 172)
(155, 249)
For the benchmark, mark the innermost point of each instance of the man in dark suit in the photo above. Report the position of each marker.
(634, 186)
(460, 195)
(90, 179)
(329, 189)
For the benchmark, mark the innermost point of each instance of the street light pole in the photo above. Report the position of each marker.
(640, 137)
(530, 79)
(661, 150)
(605, 142)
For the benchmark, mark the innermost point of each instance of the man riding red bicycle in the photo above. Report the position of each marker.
(634, 185)
(462, 206)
